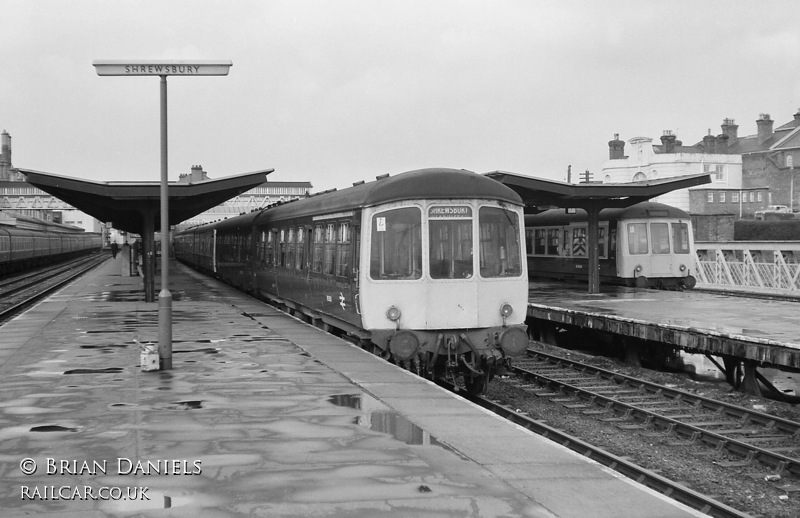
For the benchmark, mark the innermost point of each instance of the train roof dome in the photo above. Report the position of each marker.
(411, 185)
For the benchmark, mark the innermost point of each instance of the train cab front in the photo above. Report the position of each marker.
(446, 289)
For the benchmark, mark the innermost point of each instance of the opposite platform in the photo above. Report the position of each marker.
(262, 415)
(710, 323)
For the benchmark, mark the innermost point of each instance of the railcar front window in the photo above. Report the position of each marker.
(637, 238)
(500, 250)
(680, 238)
(450, 242)
(396, 245)
(660, 234)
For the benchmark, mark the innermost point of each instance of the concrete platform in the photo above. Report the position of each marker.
(766, 331)
(262, 415)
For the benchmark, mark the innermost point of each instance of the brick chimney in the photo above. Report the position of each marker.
(5, 156)
(797, 118)
(731, 129)
(764, 124)
(616, 148)
(722, 143)
(668, 141)
(709, 143)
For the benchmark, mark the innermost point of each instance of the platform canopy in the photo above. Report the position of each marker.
(541, 194)
(127, 204)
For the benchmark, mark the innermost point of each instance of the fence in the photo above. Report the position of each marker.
(765, 267)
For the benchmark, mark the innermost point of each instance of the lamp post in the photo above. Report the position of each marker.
(163, 69)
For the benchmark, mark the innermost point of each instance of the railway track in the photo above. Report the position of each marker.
(22, 291)
(746, 435)
(665, 486)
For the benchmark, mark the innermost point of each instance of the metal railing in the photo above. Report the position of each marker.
(763, 267)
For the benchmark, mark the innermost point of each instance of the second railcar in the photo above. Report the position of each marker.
(646, 245)
(427, 265)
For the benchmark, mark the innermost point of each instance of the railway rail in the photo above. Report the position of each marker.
(665, 486)
(21, 291)
(746, 434)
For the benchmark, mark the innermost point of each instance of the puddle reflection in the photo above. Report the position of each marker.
(378, 417)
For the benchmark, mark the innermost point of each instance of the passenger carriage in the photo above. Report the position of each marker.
(646, 245)
(427, 266)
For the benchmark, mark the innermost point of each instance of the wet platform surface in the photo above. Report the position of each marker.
(262, 415)
(747, 327)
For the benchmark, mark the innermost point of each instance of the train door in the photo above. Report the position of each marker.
(661, 252)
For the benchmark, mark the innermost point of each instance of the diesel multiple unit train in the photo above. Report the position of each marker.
(646, 245)
(427, 267)
(22, 249)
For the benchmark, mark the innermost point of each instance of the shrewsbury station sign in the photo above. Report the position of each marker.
(161, 68)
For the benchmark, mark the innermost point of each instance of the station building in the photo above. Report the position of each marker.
(748, 172)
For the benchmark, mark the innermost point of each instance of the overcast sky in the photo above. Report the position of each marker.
(334, 92)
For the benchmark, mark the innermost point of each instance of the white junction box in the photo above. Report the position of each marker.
(148, 357)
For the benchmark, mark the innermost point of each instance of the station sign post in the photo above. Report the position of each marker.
(163, 68)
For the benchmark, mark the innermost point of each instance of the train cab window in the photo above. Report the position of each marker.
(450, 239)
(659, 232)
(500, 250)
(680, 238)
(396, 244)
(637, 239)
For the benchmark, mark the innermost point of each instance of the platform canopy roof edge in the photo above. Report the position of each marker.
(540, 194)
(125, 204)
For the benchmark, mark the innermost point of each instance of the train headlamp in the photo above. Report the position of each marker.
(683, 268)
(393, 313)
(506, 310)
(638, 268)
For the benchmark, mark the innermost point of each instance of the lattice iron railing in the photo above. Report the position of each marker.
(767, 267)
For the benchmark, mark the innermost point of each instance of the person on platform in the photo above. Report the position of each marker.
(114, 250)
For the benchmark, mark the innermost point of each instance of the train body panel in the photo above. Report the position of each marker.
(427, 265)
(648, 244)
(22, 249)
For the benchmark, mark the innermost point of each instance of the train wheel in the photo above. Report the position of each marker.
(475, 384)
(689, 282)
(641, 281)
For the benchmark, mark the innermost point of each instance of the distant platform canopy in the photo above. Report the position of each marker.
(127, 204)
(540, 194)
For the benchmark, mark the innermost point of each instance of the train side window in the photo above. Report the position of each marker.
(539, 241)
(289, 248)
(500, 250)
(579, 242)
(330, 249)
(396, 244)
(659, 233)
(601, 242)
(319, 238)
(637, 238)
(281, 259)
(552, 241)
(270, 248)
(300, 255)
(680, 238)
(529, 233)
(343, 249)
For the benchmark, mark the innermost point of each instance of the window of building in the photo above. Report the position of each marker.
(759, 196)
(735, 197)
(710, 197)
(752, 196)
(722, 197)
(717, 171)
